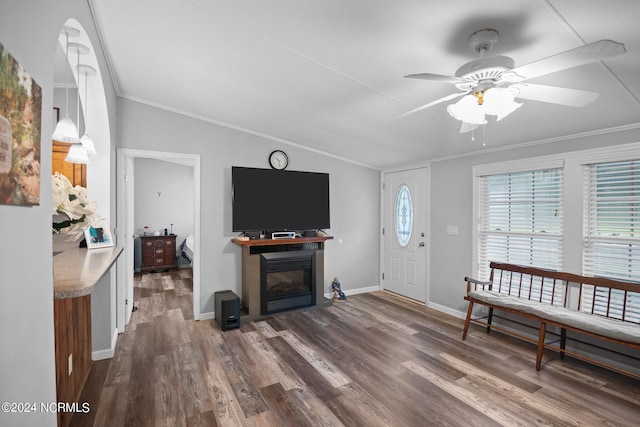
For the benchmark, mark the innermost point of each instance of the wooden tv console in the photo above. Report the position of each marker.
(251, 250)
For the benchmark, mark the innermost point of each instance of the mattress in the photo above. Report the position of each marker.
(187, 248)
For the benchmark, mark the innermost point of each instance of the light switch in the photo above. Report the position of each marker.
(452, 230)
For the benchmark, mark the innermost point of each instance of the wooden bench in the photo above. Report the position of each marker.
(598, 307)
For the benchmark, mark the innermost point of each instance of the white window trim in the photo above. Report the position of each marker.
(516, 166)
(608, 154)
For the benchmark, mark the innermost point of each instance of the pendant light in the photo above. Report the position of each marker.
(87, 142)
(77, 153)
(66, 130)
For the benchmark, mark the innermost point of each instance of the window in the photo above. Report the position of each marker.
(612, 232)
(403, 215)
(612, 220)
(520, 219)
(577, 212)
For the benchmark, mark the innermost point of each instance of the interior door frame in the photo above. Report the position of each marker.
(125, 231)
(383, 174)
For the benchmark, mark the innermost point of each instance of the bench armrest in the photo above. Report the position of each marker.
(476, 282)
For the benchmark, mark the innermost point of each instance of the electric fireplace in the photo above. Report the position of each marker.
(287, 280)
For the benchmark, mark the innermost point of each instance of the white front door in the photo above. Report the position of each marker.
(405, 240)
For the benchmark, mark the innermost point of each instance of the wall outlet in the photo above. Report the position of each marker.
(70, 363)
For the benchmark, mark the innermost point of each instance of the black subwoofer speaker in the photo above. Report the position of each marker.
(227, 309)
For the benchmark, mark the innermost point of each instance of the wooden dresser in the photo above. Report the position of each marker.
(158, 253)
(75, 172)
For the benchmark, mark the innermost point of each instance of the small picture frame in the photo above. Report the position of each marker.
(56, 116)
(99, 236)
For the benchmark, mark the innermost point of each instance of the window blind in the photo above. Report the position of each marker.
(520, 219)
(612, 230)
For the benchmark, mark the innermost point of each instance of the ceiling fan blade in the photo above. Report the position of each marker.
(436, 77)
(437, 101)
(571, 58)
(555, 95)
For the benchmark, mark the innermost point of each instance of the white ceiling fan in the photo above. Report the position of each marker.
(490, 84)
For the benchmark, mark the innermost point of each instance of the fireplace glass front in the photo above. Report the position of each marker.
(287, 281)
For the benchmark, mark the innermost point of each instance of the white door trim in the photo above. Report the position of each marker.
(194, 160)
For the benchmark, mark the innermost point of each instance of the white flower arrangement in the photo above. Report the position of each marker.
(72, 212)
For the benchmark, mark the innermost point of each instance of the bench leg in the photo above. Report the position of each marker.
(489, 318)
(563, 342)
(543, 330)
(466, 322)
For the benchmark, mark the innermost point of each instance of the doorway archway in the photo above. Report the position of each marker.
(90, 111)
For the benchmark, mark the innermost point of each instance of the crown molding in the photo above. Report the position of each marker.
(539, 142)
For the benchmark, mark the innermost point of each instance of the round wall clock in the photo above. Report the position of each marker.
(278, 159)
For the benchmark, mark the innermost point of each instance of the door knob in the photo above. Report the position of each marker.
(421, 244)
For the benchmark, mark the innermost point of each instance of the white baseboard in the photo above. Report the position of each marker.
(447, 310)
(108, 352)
(355, 291)
(433, 305)
(208, 315)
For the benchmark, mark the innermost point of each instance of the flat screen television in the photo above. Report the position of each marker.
(279, 200)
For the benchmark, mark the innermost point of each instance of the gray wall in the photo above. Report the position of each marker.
(29, 31)
(355, 216)
(174, 204)
(452, 204)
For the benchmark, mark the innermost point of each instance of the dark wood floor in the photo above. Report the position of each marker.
(375, 360)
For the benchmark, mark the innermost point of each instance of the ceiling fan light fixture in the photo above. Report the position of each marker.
(489, 85)
(467, 110)
(472, 109)
(500, 102)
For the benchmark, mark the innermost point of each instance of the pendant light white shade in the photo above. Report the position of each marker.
(66, 131)
(77, 154)
(86, 140)
(88, 144)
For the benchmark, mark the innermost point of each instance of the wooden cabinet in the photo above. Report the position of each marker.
(76, 173)
(72, 325)
(158, 253)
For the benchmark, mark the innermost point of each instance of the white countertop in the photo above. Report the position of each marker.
(77, 270)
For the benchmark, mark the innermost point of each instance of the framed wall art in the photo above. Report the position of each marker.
(20, 120)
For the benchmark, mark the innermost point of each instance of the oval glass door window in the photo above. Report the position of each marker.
(403, 216)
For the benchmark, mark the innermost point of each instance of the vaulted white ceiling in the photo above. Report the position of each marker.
(328, 74)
